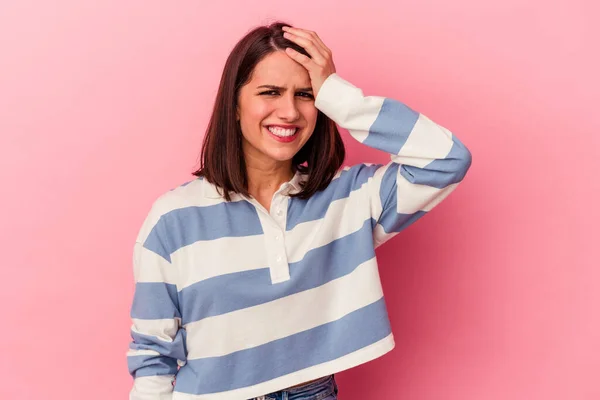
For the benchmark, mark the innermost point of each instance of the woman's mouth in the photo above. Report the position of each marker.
(283, 134)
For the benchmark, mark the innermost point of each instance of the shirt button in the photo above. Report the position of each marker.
(279, 212)
(277, 237)
(278, 258)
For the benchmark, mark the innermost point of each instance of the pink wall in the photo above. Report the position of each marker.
(493, 296)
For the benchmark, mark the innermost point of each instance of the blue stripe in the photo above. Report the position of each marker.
(151, 365)
(184, 226)
(226, 293)
(389, 185)
(175, 349)
(391, 221)
(438, 174)
(444, 172)
(316, 207)
(284, 356)
(392, 127)
(155, 300)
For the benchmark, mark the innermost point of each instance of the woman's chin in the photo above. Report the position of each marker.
(282, 157)
(281, 154)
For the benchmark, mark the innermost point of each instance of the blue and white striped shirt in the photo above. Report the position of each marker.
(235, 301)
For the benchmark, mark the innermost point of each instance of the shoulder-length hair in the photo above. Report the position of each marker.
(222, 158)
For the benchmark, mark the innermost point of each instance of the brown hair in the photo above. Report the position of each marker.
(222, 158)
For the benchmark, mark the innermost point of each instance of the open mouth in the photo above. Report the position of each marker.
(282, 134)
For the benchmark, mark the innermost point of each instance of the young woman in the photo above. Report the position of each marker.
(259, 279)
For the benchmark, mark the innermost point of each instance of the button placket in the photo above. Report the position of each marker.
(278, 210)
(277, 258)
(273, 228)
(280, 220)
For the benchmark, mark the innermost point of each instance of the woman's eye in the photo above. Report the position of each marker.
(305, 94)
(276, 93)
(270, 93)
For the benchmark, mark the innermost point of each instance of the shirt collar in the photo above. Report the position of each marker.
(296, 181)
(211, 191)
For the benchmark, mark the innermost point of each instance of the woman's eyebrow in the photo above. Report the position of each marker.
(306, 89)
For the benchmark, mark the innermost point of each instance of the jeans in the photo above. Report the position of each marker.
(322, 389)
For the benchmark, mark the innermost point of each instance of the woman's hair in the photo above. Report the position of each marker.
(222, 158)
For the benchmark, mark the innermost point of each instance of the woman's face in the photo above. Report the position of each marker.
(276, 110)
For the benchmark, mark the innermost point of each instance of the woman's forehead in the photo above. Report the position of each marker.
(279, 69)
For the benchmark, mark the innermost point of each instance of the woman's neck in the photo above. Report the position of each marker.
(265, 178)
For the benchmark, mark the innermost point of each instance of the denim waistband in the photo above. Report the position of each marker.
(316, 390)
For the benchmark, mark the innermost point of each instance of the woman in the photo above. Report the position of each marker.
(259, 278)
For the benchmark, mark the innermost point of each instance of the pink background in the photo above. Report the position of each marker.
(493, 296)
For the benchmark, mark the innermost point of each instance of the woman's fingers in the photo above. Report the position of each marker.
(309, 45)
(320, 63)
(308, 34)
(299, 57)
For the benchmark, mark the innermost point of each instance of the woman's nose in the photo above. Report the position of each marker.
(287, 109)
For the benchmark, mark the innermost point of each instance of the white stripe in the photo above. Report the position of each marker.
(133, 353)
(313, 234)
(439, 197)
(210, 258)
(413, 198)
(253, 326)
(348, 361)
(150, 267)
(158, 387)
(346, 104)
(192, 194)
(359, 123)
(162, 329)
(380, 236)
(427, 141)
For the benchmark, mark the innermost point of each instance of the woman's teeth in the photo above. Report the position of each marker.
(282, 132)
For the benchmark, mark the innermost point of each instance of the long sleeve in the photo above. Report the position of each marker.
(158, 341)
(427, 160)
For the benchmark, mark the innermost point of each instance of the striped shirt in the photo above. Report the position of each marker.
(233, 301)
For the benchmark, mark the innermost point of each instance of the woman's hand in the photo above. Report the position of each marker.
(320, 66)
